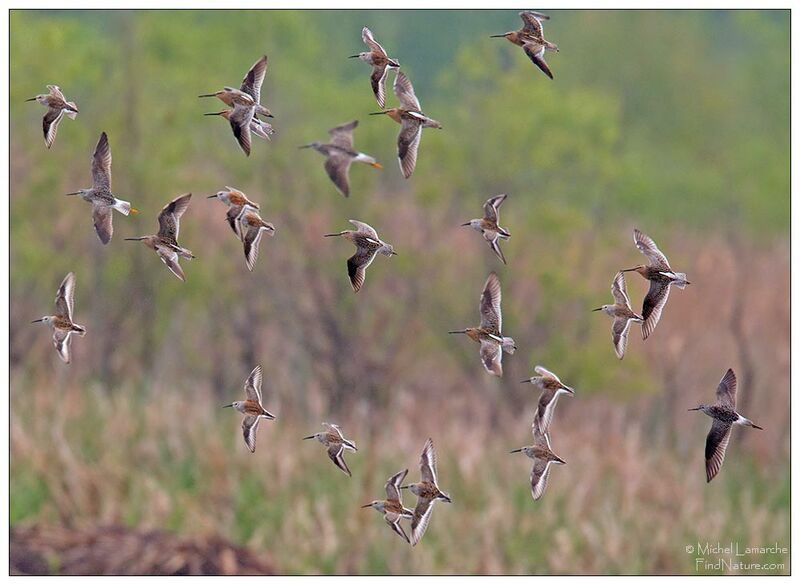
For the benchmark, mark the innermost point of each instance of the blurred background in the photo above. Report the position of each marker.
(673, 122)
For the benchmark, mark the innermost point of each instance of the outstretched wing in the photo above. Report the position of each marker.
(50, 122)
(726, 390)
(249, 430)
(393, 520)
(542, 371)
(252, 386)
(393, 485)
(357, 266)
(65, 297)
(336, 454)
(653, 305)
(716, 443)
(408, 145)
(169, 219)
(427, 462)
(365, 229)
(251, 241)
(369, 40)
(102, 217)
(491, 316)
(405, 92)
(619, 335)
(420, 519)
(333, 428)
(539, 475)
(337, 165)
(491, 208)
(101, 164)
(492, 357)
(342, 136)
(170, 258)
(619, 291)
(378, 81)
(531, 23)
(61, 342)
(535, 53)
(251, 84)
(648, 247)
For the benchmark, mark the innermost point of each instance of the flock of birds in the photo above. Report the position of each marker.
(244, 218)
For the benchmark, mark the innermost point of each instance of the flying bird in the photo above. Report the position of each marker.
(488, 334)
(552, 387)
(251, 86)
(723, 411)
(339, 155)
(57, 106)
(488, 225)
(334, 440)
(531, 38)
(236, 200)
(368, 245)
(381, 63)
(622, 313)
(242, 121)
(61, 323)
(165, 242)
(252, 227)
(542, 454)
(392, 507)
(251, 408)
(100, 196)
(411, 119)
(427, 492)
(661, 278)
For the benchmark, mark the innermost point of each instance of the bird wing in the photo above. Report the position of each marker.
(55, 91)
(239, 120)
(494, 244)
(420, 519)
(61, 343)
(619, 291)
(393, 520)
(535, 53)
(357, 266)
(726, 391)
(170, 258)
(251, 84)
(491, 208)
(405, 92)
(102, 216)
(427, 463)
(234, 211)
(342, 136)
(492, 357)
(539, 475)
(532, 23)
(65, 297)
(542, 371)
(491, 315)
(369, 40)
(337, 165)
(378, 80)
(336, 454)
(393, 485)
(544, 412)
(101, 163)
(653, 304)
(50, 123)
(619, 335)
(249, 429)
(252, 386)
(365, 229)
(333, 428)
(648, 247)
(408, 145)
(169, 220)
(251, 241)
(716, 443)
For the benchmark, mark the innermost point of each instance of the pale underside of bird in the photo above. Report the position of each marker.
(57, 106)
(427, 492)
(551, 388)
(100, 196)
(531, 38)
(368, 245)
(622, 313)
(661, 276)
(392, 507)
(339, 155)
(61, 322)
(488, 225)
(251, 408)
(165, 242)
(381, 64)
(724, 413)
(335, 444)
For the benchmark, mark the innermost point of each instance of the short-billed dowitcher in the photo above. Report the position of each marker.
(251, 229)
(392, 507)
(622, 313)
(489, 333)
(661, 278)
(411, 119)
(552, 387)
(165, 242)
(427, 492)
(488, 225)
(723, 411)
(542, 454)
(368, 245)
(61, 323)
(251, 408)
(251, 86)
(381, 63)
(242, 121)
(236, 200)
(100, 196)
(531, 38)
(334, 440)
(57, 106)
(339, 154)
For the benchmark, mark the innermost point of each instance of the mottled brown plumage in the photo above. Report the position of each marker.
(57, 105)
(336, 445)
(62, 323)
(381, 64)
(251, 408)
(542, 454)
(368, 245)
(488, 225)
(427, 492)
(622, 313)
(531, 38)
(552, 387)
(392, 507)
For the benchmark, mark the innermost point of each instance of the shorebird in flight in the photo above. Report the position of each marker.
(368, 245)
(531, 38)
(57, 106)
(334, 440)
(251, 86)
(411, 119)
(427, 492)
(392, 507)
(488, 334)
(381, 63)
(251, 408)
(251, 229)
(236, 201)
(661, 278)
(543, 456)
(165, 242)
(100, 196)
(242, 121)
(723, 411)
(61, 323)
(339, 155)
(488, 225)
(552, 387)
(622, 313)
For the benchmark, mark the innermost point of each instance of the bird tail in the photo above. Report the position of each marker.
(124, 207)
(79, 329)
(680, 280)
(508, 345)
